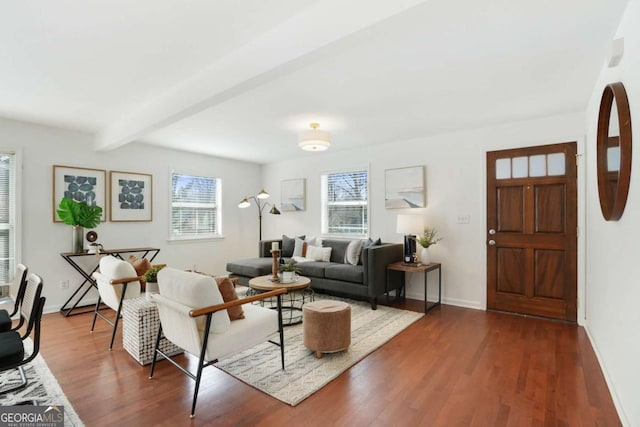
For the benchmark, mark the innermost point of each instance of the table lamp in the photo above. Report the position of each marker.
(409, 225)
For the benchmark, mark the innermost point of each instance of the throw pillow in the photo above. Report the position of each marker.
(288, 245)
(299, 248)
(368, 243)
(141, 265)
(354, 250)
(316, 253)
(225, 286)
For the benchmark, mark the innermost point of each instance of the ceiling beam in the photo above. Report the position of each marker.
(265, 58)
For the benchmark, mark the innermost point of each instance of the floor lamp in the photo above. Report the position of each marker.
(261, 204)
(409, 225)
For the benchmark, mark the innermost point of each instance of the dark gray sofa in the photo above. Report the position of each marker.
(366, 280)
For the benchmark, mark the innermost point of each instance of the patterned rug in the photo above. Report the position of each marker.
(42, 387)
(304, 374)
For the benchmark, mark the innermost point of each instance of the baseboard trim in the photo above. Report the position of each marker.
(607, 378)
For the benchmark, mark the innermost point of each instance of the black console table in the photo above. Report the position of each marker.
(89, 282)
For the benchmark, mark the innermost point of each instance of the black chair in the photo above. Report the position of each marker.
(17, 293)
(12, 352)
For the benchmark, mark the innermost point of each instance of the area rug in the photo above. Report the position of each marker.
(304, 374)
(42, 387)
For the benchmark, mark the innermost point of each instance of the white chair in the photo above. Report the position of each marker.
(193, 316)
(117, 281)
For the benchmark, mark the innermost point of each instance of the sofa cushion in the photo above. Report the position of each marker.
(345, 272)
(288, 245)
(312, 268)
(338, 249)
(251, 267)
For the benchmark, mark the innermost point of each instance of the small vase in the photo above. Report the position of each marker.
(78, 239)
(425, 259)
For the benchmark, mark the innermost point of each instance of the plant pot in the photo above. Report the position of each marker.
(288, 276)
(77, 235)
(152, 288)
(425, 257)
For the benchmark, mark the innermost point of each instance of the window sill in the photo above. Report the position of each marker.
(194, 238)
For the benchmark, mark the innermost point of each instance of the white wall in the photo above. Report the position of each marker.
(455, 175)
(42, 240)
(613, 288)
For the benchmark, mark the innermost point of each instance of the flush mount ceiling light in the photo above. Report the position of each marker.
(314, 140)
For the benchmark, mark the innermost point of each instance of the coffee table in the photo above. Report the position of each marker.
(298, 294)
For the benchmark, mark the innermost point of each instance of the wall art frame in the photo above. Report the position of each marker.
(293, 195)
(404, 188)
(80, 184)
(131, 196)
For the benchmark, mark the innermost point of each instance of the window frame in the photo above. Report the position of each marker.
(217, 207)
(324, 203)
(17, 215)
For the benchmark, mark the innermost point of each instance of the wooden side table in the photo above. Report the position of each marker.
(298, 293)
(425, 269)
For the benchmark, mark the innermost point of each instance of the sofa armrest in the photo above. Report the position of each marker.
(375, 260)
(264, 247)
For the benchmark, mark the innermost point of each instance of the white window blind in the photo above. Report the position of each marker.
(195, 203)
(7, 219)
(345, 207)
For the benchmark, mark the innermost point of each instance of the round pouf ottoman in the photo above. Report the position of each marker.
(327, 326)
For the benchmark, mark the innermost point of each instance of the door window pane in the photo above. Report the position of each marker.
(503, 168)
(555, 164)
(538, 165)
(520, 167)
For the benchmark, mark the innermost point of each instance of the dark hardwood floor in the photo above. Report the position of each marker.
(454, 367)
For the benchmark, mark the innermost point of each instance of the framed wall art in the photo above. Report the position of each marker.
(80, 184)
(131, 196)
(404, 188)
(293, 195)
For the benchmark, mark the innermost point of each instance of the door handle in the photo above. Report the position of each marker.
(492, 242)
(492, 231)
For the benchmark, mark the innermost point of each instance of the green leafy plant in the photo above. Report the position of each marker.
(428, 237)
(152, 274)
(290, 266)
(79, 213)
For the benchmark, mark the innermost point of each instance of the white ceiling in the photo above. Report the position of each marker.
(240, 78)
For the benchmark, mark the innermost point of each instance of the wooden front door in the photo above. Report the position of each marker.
(532, 231)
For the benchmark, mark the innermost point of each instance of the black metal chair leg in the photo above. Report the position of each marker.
(95, 314)
(203, 353)
(155, 351)
(115, 323)
(281, 330)
(23, 382)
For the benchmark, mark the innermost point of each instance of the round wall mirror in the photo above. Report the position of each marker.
(614, 151)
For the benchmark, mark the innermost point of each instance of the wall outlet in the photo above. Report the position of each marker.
(464, 219)
(64, 284)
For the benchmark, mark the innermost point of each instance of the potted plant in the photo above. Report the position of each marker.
(426, 239)
(151, 277)
(79, 215)
(289, 271)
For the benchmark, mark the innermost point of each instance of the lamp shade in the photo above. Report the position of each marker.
(244, 203)
(314, 140)
(409, 224)
(262, 194)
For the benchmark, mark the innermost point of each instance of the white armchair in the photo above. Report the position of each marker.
(117, 280)
(194, 317)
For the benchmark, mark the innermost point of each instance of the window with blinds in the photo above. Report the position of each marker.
(345, 207)
(7, 220)
(195, 206)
